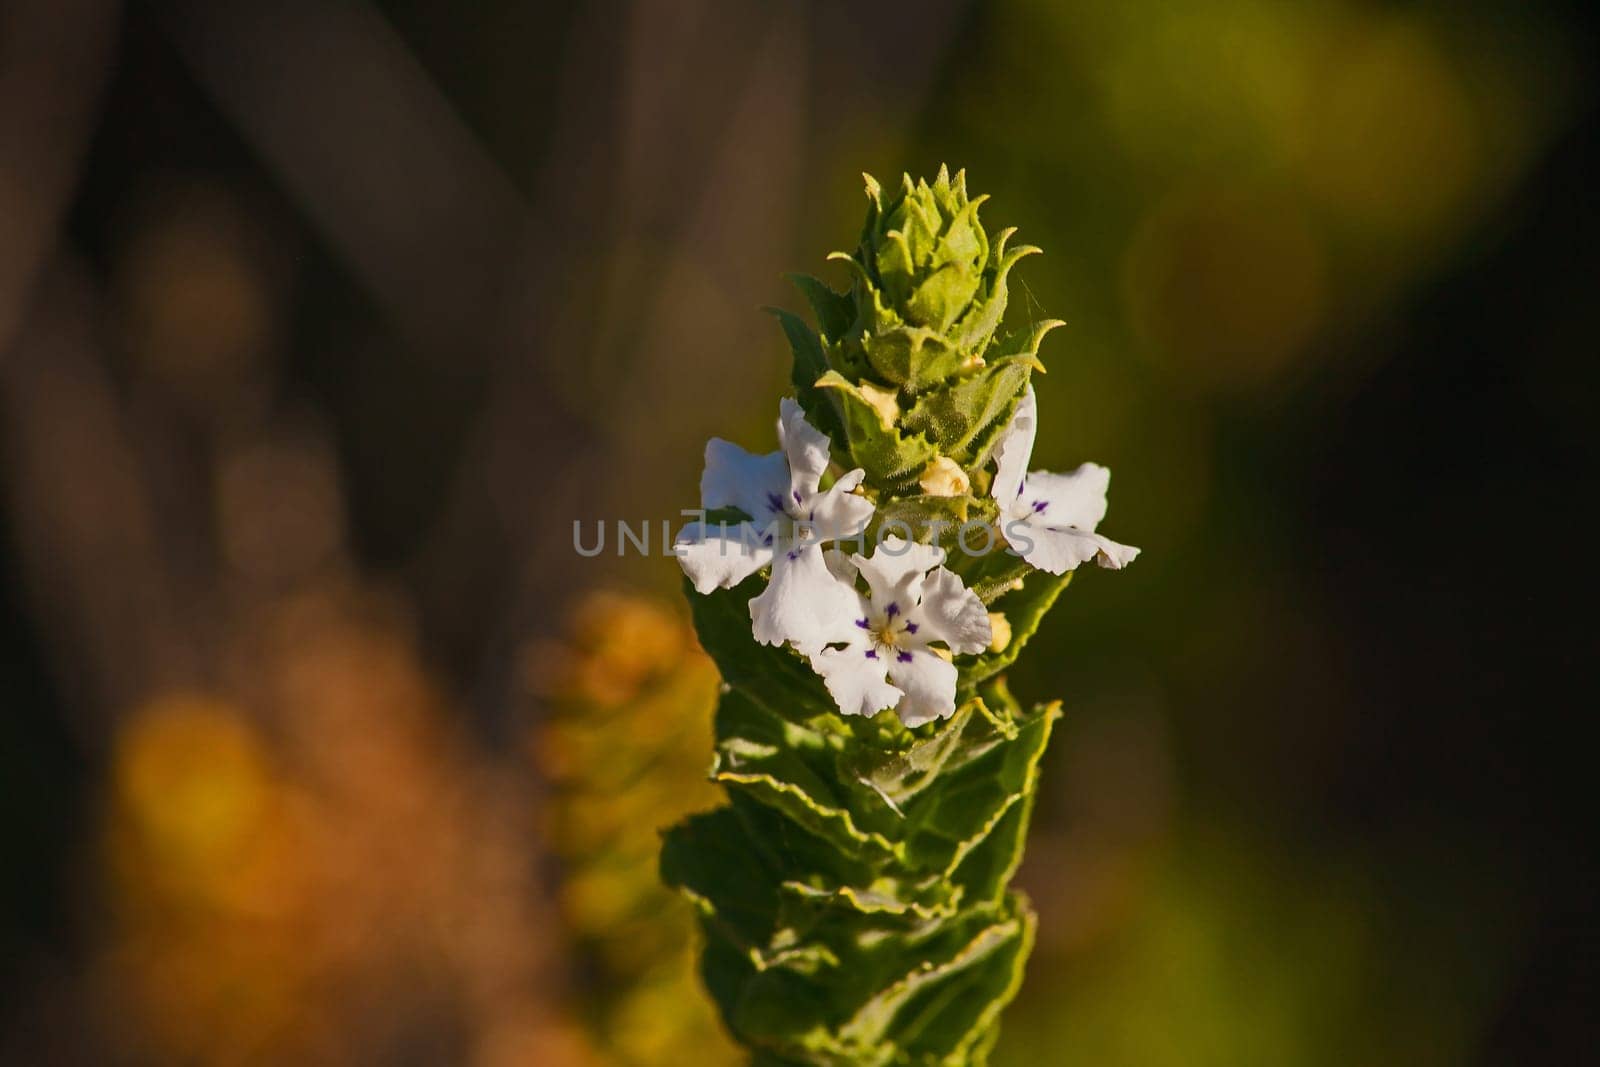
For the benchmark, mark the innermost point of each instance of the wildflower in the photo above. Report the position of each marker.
(887, 659)
(789, 521)
(1050, 518)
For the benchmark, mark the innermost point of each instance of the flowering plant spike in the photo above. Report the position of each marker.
(861, 590)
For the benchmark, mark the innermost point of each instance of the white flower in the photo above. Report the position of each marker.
(887, 661)
(1050, 518)
(790, 521)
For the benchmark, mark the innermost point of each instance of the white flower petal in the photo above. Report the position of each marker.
(929, 682)
(1077, 499)
(735, 478)
(952, 613)
(854, 676)
(896, 569)
(805, 445)
(1059, 550)
(1114, 555)
(714, 555)
(1015, 450)
(839, 513)
(840, 566)
(804, 603)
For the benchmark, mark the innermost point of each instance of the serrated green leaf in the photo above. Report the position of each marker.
(944, 191)
(955, 1021)
(778, 677)
(964, 947)
(895, 266)
(988, 307)
(942, 296)
(987, 868)
(914, 358)
(920, 517)
(955, 415)
(707, 858)
(898, 776)
(1023, 343)
(878, 446)
(777, 1012)
(922, 224)
(921, 900)
(954, 815)
(761, 756)
(810, 363)
(835, 312)
(964, 241)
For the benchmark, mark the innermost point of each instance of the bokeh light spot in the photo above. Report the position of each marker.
(1395, 146)
(1227, 287)
(193, 776)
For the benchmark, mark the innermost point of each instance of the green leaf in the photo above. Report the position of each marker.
(1023, 343)
(954, 1022)
(946, 194)
(989, 306)
(961, 950)
(953, 816)
(778, 677)
(707, 858)
(897, 776)
(872, 441)
(964, 241)
(955, 416)
(942, 296)
(990, 574)
(987, 868)
(922, 900)
(918, 518)
(835, 312)
(774, 1011)
(764, 757)
(895, 266)
(810, 363)
(914, 358)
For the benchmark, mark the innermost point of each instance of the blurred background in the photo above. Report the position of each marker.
(321, 323)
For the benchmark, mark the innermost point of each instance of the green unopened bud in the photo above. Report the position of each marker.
(908, 367)
(929, 250)
(926, 261)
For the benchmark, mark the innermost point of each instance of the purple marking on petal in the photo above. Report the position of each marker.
(892, 610)
(774, 502)
(1019, 488)
(797, 496)
(1040, 505)
(794, 554)
(904, 657)
(767, 540)
(863, 624)
(911, 627)
(872, 653)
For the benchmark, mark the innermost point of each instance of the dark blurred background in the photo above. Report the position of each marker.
(321, 322)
